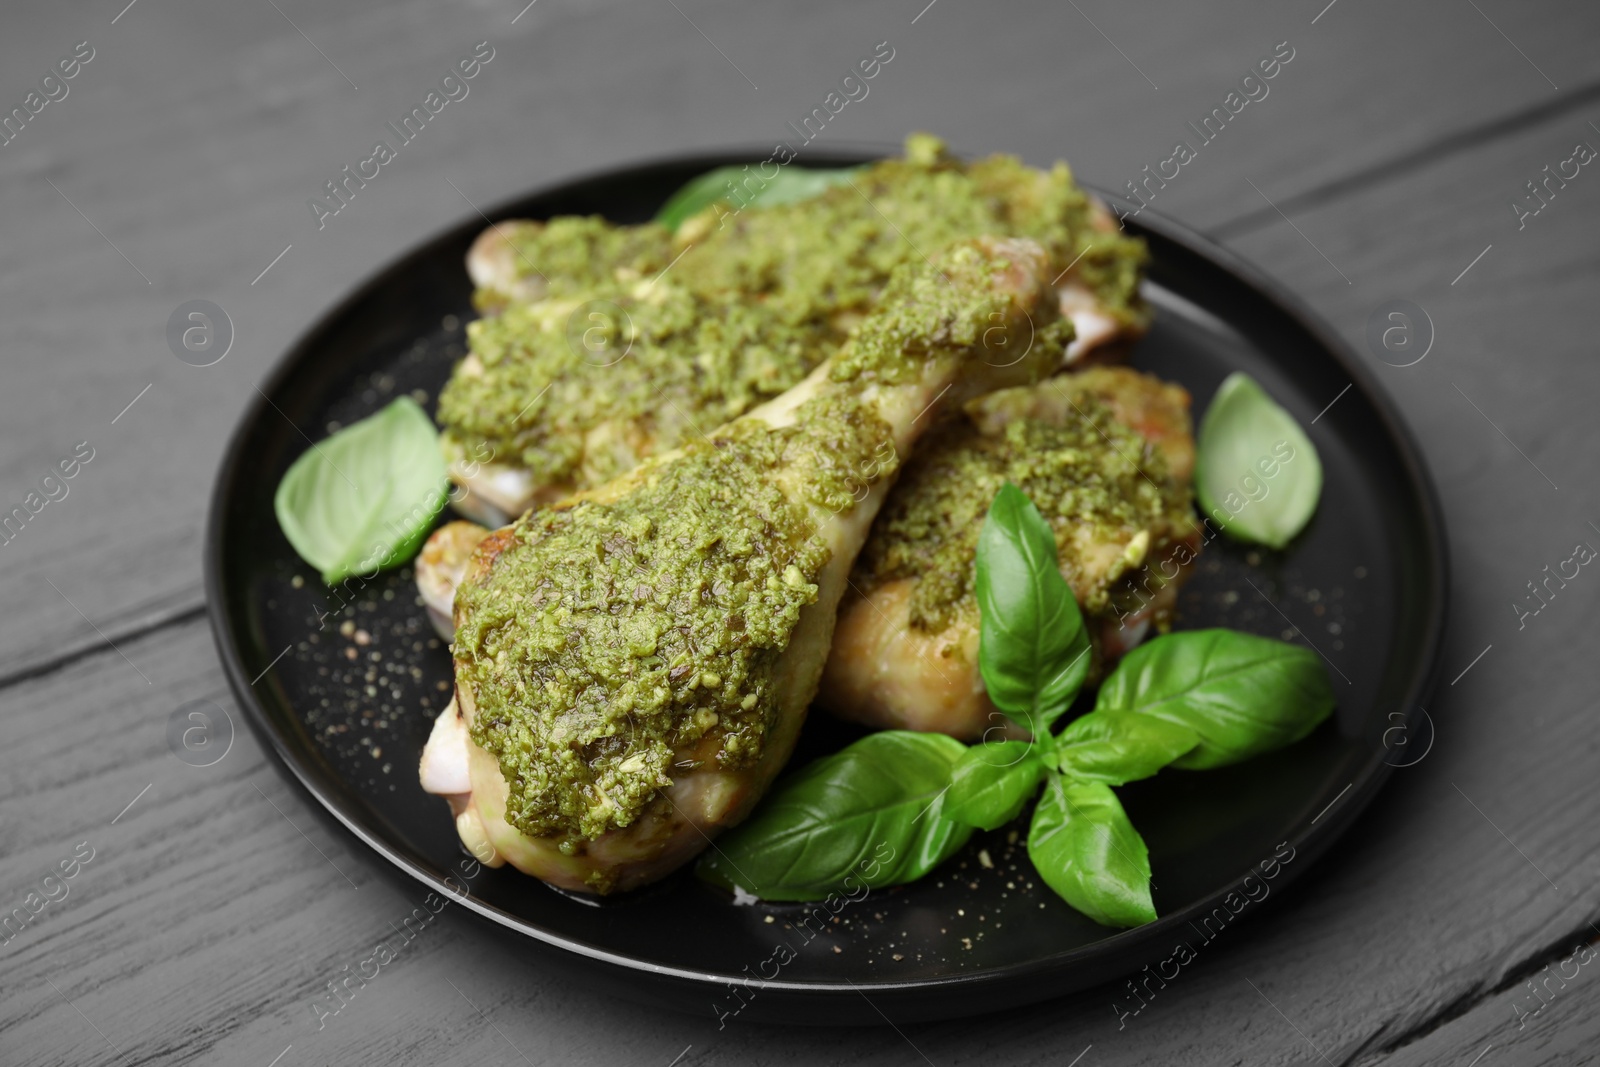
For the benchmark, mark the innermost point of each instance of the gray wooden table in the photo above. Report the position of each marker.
(1449, 927)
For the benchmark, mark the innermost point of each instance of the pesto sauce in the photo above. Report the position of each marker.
(952, 307)
(842, 444)
(573, 253)
(607, 637)
(831, 253)
(1090, 477)
(643, 367)
(760, 299)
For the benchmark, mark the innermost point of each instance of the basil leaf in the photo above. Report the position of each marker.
(991, 783)
(1256, 472)
(870, 815)
(1087, 851)
(365, 498)
(1244, 695)
(1033, 649)
(750, 189)
(1117, 749)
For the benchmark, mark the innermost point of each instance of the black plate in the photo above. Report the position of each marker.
(1367, 583)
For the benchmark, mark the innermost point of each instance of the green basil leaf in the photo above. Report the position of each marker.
(1242, 694)
(1256, 472)
(991, 783)
(868, 815)
(789, 185)
(1087, 851)
(1033, 649)
(1117, 749)
(365, 498)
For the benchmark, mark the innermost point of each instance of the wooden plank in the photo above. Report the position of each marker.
(213, 171)
(1546, 1015)
(216, 905)
(204, 927)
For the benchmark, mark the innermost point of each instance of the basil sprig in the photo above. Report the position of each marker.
(894, 805)
(364, 499)
(1033, 653)
(749, 188)
(1194, 700)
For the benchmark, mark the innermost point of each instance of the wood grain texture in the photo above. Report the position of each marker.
(210, 919)
(1547, 1015)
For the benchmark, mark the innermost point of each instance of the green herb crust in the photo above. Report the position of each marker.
(578, 389)
(575, 253)
(842, 444)
(830, 253)
(971, 313)
(758, 298)
(815, 258)
(1098, 483)
(607, 637)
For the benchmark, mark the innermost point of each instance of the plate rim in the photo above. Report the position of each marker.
(1118, 952)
